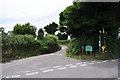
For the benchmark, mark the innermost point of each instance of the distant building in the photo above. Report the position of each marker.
(10, 33)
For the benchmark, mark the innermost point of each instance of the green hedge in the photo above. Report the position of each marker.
(112, 47)
(25, 45)
(64, 42)
(53, 44)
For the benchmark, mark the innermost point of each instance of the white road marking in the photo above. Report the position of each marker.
(48, 70)
(32, 73)
(83, 65)
(51, 54)
(69, 65)
(44, 68)
(15, 76)
(62, 68)
(85, 62)
(105, 61)
(59, 54)
(56, 66)
(7, 77)
(72, 66)
(78, 63)
(98, 62)
(44, 55)
(91, 63)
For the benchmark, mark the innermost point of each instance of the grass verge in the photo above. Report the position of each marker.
(90, 57)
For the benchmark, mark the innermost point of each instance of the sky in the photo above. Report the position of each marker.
(38, 12)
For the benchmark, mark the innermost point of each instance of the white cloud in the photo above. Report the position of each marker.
(34, 11)
(28, 8)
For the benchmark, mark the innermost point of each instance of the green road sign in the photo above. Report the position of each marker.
(88, 48)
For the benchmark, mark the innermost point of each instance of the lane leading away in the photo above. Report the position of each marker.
(57, 65)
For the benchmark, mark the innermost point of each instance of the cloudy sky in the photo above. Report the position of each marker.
(37, 12)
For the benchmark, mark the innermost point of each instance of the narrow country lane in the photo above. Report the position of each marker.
(57, 65)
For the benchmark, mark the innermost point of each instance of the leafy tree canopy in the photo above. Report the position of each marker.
(40, 34)
(51, 28)
(2, 29)
(24, 29)
(62, 36)
(90, 18)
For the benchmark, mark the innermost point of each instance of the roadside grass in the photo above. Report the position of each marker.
(64, 42)
(111, 52)
(89, 57)
(95, 56)
(10, 58)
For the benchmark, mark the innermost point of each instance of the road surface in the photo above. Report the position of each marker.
(57, 65)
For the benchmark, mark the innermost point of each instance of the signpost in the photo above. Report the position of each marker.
(89, 48)
(82, 47)
(103, 48)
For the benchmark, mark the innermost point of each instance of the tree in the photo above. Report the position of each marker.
(25, 29)
(2, 29)
(51, 28)
(84, 20)
(90, 18)
(40, 34)
(62, 36)
(63, 29)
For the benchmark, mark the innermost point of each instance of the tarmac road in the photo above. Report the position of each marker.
(57, 65)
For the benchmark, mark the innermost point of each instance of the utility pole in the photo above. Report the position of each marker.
(104, 36)
(119, 33)
(100, 41)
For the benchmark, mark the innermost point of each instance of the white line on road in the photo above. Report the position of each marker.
(56, 66)
(7, 77)
(91, 63)
(32, 73)
(72, 66)
(62, 68)
(98, 62)
(59, 54)
(85, 62)
(44, 68)
(69, 65)
(45, 55)
(48, 70)
(83, 65)
(78, 63)
(15, 76)
(105, 61)
(51, 54)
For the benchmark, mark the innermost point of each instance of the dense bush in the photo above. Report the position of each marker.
(25, 45)
(62, 36)
(64, 42)
(112, 47)
(53, 43)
